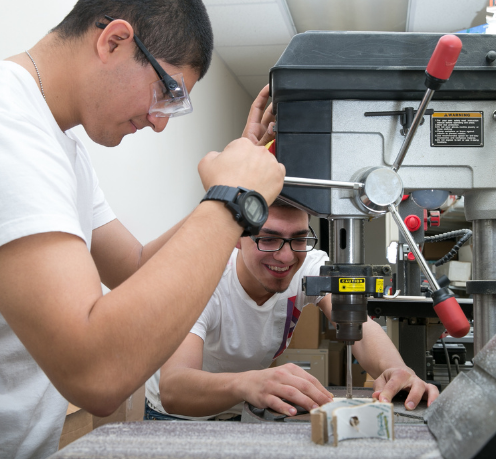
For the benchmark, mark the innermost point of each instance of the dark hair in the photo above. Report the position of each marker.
(177, 31)
(280, 202)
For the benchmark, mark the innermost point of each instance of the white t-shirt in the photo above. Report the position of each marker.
(47, 184)
(238, 334)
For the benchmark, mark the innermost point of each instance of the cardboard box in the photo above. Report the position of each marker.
(358, 374)
(315, 361)
(336, 353)
(78, 422)
(369, 381)
(308, 329)
(456, 271)
(466, 253)
(132, 409)
(437, 250)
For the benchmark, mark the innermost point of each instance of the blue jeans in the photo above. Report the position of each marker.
(152, 415)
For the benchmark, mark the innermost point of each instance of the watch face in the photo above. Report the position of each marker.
(254, 208)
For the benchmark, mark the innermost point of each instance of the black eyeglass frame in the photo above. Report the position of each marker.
(170, 84)
(314, 238)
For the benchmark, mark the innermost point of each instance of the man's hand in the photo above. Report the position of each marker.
(246, 165)
(260, 123)
(393, 380)
(267, 389)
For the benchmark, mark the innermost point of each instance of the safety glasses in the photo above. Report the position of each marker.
(169, 94)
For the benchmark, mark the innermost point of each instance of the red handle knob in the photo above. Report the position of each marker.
(413, 222)
(444, 57)
(452, 317)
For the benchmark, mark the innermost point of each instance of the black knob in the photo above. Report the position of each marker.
(491, 56)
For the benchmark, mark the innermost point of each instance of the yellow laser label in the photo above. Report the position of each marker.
(352, 284)
(379, 285)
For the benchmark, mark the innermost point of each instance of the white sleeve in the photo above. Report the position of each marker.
(209, 317)
(38, 190)
(102, 213)
(315, 259)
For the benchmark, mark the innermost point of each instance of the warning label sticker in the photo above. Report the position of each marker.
(457, 129)
(379, 285)
(352, 284)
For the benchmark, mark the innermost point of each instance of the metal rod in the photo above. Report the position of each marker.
(413, 129)
(317, 183)
(349, 374)
(414, 249)
(483, 267)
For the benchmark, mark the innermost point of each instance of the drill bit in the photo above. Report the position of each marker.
(349, 379)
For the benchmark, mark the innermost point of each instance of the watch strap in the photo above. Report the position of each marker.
(230, 196)
(222, 193)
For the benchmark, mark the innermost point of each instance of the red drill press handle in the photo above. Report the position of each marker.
(444, 57)
(450, 313)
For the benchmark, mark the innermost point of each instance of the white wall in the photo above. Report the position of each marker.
(150, 179)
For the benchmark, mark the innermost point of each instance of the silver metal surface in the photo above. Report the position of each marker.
(360, 143)
(349, 374)
(413, 129)
(484, 268)
(383, 187)
(348, 241)
(317, 183)
(463, 417)
(480, 204)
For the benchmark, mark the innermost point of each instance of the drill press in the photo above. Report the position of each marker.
(303, 144)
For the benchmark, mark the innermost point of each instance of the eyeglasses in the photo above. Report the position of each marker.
(297, 244)
(169, 94)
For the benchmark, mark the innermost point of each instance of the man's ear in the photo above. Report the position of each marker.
(116, 37)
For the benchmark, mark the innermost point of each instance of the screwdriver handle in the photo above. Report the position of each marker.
(442, 61)
(438, 70)
(450, 313)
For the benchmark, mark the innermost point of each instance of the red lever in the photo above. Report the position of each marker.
(444, 57)
(450, 313)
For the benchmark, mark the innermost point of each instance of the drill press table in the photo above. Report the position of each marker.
(188, 439)
(253, 438)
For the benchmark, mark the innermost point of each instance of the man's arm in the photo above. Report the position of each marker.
(118, 254)
(187, 390)
(93, 347)
(379, 357)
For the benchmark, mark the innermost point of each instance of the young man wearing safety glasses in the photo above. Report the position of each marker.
(249, 322)
(113, 67)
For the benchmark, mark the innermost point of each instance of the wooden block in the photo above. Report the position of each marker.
(318, 419)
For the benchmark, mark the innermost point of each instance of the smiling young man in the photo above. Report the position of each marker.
(113, 67)
(249, 321)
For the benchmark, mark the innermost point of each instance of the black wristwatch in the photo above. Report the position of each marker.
(248, 207)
